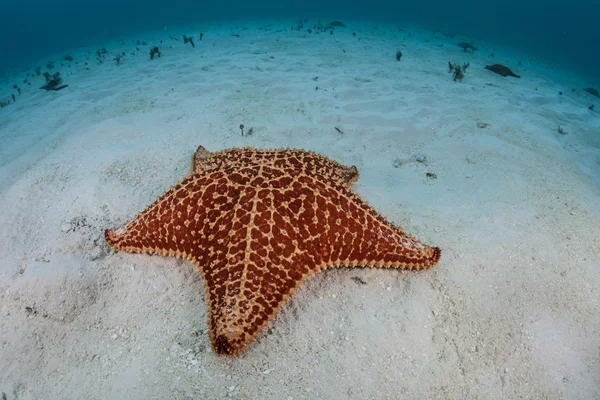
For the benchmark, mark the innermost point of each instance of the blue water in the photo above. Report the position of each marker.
(565, 33)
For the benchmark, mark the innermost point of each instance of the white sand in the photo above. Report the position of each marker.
(511, 311)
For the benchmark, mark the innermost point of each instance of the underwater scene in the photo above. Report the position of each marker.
(299, 200)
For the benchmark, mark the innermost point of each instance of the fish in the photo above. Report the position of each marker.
(501, 70)
(592, 91)
(467, 46)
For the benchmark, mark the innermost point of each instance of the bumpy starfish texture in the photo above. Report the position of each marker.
(259, 222)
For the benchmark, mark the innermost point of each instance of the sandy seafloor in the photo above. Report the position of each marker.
(511, 310)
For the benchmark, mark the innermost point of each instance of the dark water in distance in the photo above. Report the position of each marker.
(566, 33)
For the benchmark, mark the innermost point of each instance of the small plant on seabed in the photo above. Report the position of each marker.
(118, 58)
(154, 52)
(458, 71)
(101, 54)
(398, 55)
(188, 39)
(53, 82)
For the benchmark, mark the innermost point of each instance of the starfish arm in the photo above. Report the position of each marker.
(345, 231)
(241, 308)
(360, 237)
(203, 160)
(176, 223)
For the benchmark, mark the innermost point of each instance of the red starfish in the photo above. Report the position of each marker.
(259, 222)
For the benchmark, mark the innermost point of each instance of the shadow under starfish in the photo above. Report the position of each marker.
(259, 222)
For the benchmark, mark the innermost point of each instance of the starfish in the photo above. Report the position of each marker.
(257, 223)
